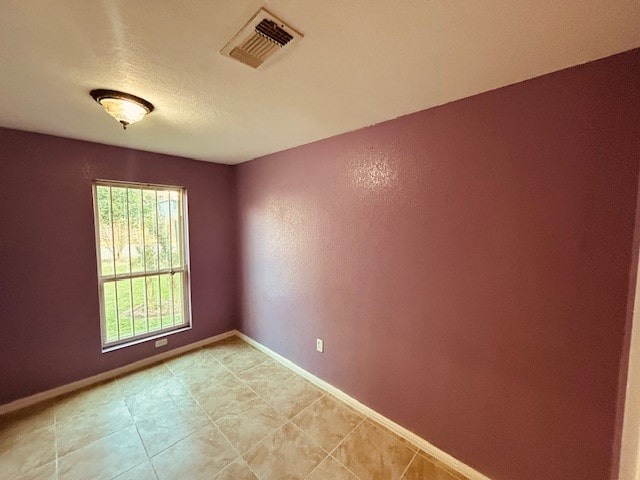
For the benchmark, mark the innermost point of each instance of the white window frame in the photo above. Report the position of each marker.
(102, 279)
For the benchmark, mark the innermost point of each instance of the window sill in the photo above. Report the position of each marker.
(145, 339)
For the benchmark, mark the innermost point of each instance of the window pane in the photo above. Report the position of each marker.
(176, 228)
(178, 299)
(139, 306)
(110, 312)
(136, 246)
(105, 241)
(125, 314)
(150, 230)
(120, 229)
(153, 301)
(163, 229)
(167, 302)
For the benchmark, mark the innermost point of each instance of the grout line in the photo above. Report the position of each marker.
(408, 465)
(213, 423)
(306, 435)
(84, 445)
(322, 395)
(331, 453)
(168, 361)
(142, 442)
(313, 441)
(217, 475)
(92, 410)
(57, 402)
(261, 397)
(319, 463)
(250, 468)
(155, 473)
(387, 432)
(135, 466)
(240, 454)
(232, 373)
(345, 467)
(255, 445)
(346, 436)
(441, 466)
(137, 420)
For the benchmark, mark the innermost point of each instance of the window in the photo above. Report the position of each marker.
(143, 264)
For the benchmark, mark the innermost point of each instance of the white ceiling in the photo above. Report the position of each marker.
(360, 62)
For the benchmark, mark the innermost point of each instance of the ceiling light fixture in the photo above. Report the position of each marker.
(124, 107)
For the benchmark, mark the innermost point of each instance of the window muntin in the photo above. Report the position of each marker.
(143, 274)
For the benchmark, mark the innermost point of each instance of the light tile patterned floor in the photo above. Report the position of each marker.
(223, 412)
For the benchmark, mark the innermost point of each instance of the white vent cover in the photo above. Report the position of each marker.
(262, 38)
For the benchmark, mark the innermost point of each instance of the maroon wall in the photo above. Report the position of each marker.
(49, 316)
(467, 267)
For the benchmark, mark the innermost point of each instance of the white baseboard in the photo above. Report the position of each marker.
(408, 435)
(101, 377)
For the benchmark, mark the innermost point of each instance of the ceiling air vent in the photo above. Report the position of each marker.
(263, 38)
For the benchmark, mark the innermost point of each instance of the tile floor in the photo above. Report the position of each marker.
(223, 412)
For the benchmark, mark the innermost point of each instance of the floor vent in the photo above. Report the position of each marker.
(260, 40)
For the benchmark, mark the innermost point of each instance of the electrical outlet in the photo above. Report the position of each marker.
(319, 345)
(161, 343)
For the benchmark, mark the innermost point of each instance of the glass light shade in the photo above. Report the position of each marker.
(124, 111)
(124, 107)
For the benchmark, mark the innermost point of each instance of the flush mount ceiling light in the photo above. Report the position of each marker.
(124, 107)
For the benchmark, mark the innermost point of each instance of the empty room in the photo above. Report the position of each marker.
(319, 240)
